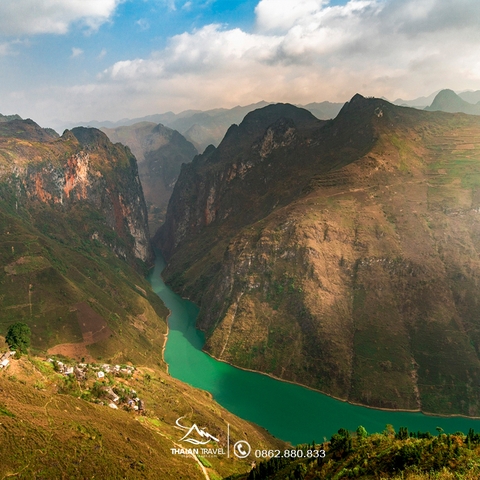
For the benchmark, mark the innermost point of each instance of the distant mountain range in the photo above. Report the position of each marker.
(203, 128)
(471, 97)
(448, 101)
(160, 152)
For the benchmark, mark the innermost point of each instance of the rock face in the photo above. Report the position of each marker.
(342, 255)
(81, 167)
(75, 245)
(160, 152)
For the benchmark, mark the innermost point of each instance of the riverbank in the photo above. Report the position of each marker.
(294, 413)
(311, 388)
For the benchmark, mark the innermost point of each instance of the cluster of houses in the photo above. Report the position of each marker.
(80, 369)
(129, 399)
(5, 359)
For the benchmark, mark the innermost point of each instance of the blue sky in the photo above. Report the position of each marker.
(72, 60)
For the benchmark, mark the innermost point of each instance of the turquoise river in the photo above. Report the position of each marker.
(290, 412)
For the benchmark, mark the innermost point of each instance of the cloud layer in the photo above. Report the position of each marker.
(299, 51)
(305, 50)
(31, 17)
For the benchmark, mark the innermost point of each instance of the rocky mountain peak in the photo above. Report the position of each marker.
(262, 118)
(90, 137)
(26, 130)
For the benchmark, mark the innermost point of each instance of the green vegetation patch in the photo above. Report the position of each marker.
(394, 455)
(5, 411)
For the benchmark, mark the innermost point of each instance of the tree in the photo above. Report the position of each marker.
(402, 433)
(361, 432)
(18, 337)
(341, 443)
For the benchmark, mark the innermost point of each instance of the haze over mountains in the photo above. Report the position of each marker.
(203, 128)
(449, 101)
(160, 152)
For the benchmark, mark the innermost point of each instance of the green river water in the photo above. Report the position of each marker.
(290, 412)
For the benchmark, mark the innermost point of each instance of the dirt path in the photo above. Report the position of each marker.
(177, 445)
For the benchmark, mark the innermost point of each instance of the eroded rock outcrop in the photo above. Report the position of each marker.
(80, 168)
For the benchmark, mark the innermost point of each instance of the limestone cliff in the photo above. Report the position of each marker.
(80, 168)
(75, 246)
(342, 255)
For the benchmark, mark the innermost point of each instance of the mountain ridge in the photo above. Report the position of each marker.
(448, 101)
(203, 128)
(308, 257)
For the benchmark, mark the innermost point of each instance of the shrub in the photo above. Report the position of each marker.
(18, 337)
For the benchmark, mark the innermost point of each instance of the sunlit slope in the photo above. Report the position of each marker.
(48, 431)
(343, 256)
(74, 245)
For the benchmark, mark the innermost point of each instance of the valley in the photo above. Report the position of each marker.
(355, 278)
(74, 252)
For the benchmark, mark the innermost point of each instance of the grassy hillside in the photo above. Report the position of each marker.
(73, 245)
(55, 278)
(51, 427)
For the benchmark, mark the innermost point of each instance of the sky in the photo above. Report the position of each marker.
(64, 61)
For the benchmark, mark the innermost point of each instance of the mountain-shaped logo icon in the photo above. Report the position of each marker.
(193, 432)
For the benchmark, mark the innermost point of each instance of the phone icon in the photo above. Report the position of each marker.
(242, 449)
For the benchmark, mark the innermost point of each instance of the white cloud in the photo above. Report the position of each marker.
(374, 45)
(76, 52)
(281, 15)
(102, 53)
(302, 52)
(30, 17)
(170, 4)
(5, 49)
(143, 23)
